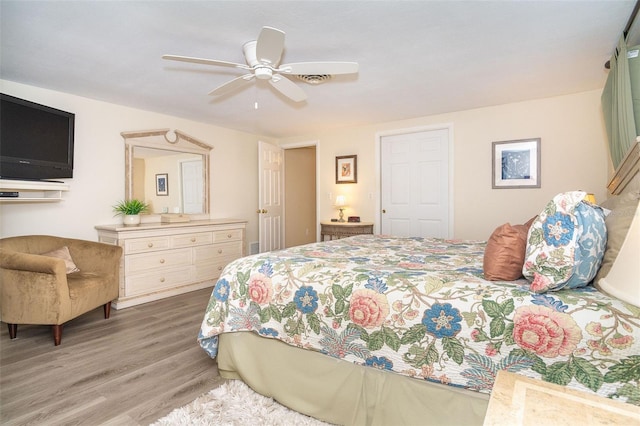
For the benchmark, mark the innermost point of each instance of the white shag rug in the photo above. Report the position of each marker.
(235, 403)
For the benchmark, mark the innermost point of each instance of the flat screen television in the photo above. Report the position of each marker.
(36, 141)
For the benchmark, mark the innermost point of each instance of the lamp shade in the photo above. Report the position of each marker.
(341, 201)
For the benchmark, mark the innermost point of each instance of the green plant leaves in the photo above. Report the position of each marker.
(130, 207)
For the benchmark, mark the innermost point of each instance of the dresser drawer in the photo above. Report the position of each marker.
(211, 270)
(228, 235)
(158, 280)
(142, 245)
(190, 240)
(217, 251)
(150, 261)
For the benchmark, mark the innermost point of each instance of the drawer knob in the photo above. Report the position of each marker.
(161, 260)
(219, 251)
(162, 279)
(193, 240)
(149, 245)
(219, 268)
(229, 235)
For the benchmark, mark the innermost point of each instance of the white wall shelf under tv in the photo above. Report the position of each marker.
(31, 191)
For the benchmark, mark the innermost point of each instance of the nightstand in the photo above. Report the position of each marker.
(336, 230)
(519, 400)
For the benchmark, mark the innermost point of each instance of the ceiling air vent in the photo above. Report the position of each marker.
(314, 78)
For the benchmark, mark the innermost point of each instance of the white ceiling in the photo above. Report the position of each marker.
(417, 58)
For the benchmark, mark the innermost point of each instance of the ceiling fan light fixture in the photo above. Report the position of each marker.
(249, 50)
(263, 73)
(314, 78)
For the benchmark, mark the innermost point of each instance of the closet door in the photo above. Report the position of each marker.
(415, 184)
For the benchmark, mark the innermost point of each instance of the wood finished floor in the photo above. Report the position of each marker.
(131, 369)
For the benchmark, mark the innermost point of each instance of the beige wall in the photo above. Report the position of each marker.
(98, 181)
(574, 156)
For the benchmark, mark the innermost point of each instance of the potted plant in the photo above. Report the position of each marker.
(130, 210)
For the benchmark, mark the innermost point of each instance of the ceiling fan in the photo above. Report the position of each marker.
(263, 62)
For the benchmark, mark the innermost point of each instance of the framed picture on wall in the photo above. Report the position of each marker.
(347, 169)
(162, 184)
(516, 164)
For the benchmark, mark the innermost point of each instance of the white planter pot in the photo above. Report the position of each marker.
(131, 220)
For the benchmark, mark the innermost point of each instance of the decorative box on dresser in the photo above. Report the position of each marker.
(164, 259)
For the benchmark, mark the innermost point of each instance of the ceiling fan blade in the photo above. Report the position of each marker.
(270, 46)
(232, 85)
(204, 61)
(288, 88)
(319, 68)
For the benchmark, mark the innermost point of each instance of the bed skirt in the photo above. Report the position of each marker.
(342, 393)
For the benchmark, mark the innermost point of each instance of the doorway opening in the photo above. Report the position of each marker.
(300, 195)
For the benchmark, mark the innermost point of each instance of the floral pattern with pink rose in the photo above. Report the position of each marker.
(546, 332)
(260, 289)
(368, 308)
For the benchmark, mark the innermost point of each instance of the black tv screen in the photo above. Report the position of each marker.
(36, 141)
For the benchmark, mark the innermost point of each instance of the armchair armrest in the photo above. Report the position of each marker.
(28, 262)
(43, 278)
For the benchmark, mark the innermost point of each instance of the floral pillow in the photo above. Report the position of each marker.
(565, 244)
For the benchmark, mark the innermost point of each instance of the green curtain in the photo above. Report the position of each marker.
(617, 105)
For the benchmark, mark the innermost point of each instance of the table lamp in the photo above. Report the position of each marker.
(341, 204)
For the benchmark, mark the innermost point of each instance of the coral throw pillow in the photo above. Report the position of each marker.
(504, 254)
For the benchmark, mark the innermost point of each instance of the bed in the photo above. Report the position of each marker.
(387, 330)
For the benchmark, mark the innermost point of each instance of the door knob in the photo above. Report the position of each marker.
(258, 211)
(384, 210)
(264, 211)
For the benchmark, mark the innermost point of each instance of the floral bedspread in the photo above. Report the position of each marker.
(421, 308)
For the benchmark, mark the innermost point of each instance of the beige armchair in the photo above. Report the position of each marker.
(37, 289)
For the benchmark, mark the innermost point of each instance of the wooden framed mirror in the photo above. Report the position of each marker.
(168, 170)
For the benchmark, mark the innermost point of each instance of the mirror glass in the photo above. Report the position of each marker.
(169, 170)
(170, 181)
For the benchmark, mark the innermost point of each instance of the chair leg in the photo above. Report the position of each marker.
(13, 330)
(57, 334)
(107, 310)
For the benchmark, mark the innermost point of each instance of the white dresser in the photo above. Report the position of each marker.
(165, 259)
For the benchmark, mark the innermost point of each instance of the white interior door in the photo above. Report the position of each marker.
(192, 186)
(270, 202)
(415, 184)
